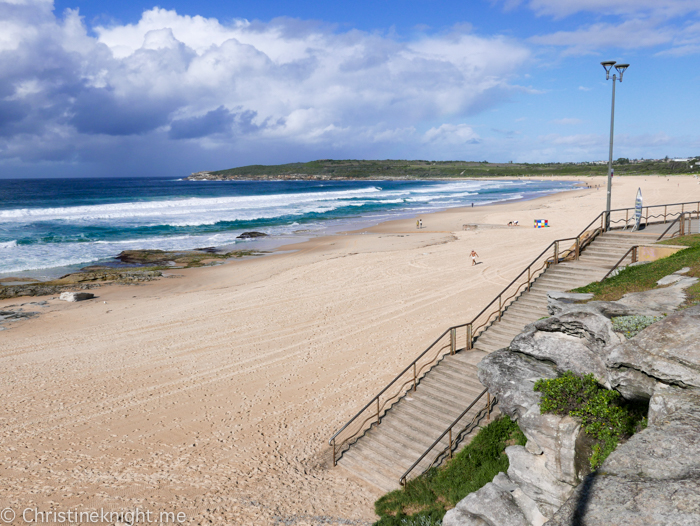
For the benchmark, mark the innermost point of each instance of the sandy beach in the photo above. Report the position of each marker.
(213, 391)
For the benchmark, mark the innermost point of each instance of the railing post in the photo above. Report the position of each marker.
(578, 248)
(665, 214)
(415, 380)
(453, 340)
(634, 254)
(602, 221)
(646, 220)
(488, 405)
(377, 410)
(469, 336)
(627, 213)
(556, 252)
(450, 443)
(500, 306)
(335, 463)
(528, 278)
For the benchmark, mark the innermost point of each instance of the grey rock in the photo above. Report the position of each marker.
(568, 297)
(491, 505)
(684, 270)
(536, 481)
(653, 478)
(661, 300)
(669, 280)
(668, 351)
(573, 340)
(555, 437)
(76, 296)
(511, 377)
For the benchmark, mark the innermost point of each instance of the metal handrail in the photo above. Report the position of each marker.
(471, 333)
(402, 480)
(670, 226)
(632, 249)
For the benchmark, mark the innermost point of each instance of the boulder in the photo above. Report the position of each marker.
(492, 505)
(76, 296)
(573, 340)
(511, 376)
(531, 474)
(667, 351)
(251, 235)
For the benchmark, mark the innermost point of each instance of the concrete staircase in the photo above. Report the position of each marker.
(387, 450)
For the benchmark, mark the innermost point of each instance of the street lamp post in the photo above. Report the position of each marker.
(608, 64)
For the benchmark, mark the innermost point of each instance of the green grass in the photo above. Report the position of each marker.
(428, 497)
(644, 277)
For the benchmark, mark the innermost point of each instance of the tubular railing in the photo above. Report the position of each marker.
(462, 337)
(633, 250)
(683, 219)
(453, 439)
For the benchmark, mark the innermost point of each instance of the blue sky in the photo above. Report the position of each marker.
(96, 88)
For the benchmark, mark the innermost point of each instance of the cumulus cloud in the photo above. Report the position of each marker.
(175, 80)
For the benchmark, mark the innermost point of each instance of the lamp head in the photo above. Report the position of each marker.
(608, 64)
(621, 69)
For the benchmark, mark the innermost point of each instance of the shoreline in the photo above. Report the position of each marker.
(272, 243)
(214, 391)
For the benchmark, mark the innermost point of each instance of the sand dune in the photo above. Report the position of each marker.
(214, 392)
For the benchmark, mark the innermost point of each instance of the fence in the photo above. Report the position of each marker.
(462, 337)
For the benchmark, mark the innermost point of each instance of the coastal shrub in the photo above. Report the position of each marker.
(605, 416)
(630, 326)
(425, 499)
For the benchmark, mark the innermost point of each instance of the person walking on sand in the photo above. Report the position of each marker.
(420, 223)
(473, 255)
(417, 223)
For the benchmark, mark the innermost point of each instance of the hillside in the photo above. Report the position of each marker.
(402, 169)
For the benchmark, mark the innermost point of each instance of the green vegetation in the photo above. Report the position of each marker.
(329, 168)
(644, 277)
(605, 416)
(425, 499)
(630, 326)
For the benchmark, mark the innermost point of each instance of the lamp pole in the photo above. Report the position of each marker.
(608, 64)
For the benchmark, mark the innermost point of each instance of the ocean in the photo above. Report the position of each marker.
(51, 226)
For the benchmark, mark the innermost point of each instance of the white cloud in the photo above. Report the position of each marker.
(566, 121)
(563, 8)
(452, 134)
(185, 83)
(630, 34)
(584, 88)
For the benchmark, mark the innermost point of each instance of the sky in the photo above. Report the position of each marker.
(135, 88)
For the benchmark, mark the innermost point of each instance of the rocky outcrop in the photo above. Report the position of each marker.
(76, 296)
(654, 477)
(251, 235)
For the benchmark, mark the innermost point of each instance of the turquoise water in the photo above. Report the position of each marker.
(53, 223)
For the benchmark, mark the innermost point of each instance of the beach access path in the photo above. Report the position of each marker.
(213, 393)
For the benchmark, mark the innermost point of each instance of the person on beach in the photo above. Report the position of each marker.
(420, 223)
(417, 223)
(473, 255)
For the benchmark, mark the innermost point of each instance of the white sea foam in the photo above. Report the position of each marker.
(8, 244)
